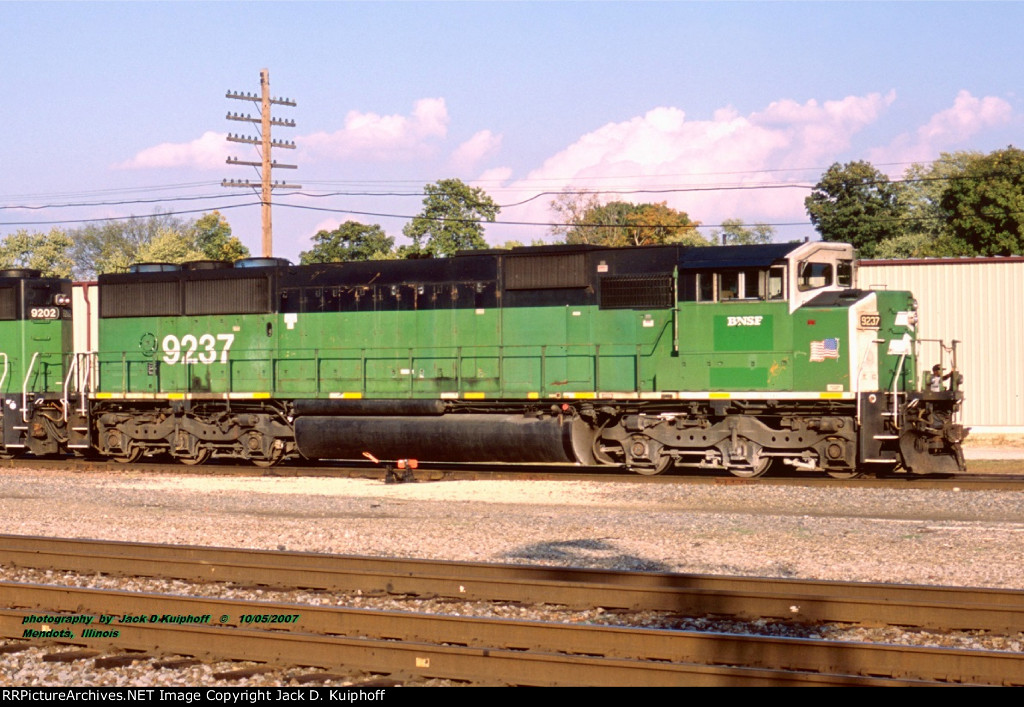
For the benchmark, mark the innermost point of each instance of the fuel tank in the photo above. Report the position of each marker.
(447, 438)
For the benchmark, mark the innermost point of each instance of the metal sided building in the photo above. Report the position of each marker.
(976, 301)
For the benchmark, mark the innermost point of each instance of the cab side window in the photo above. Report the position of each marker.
(814, 275)
(728, 285)
(776, 283)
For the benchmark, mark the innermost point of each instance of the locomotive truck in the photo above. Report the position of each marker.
(729, 357)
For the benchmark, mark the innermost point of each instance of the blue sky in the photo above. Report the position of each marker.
(125, 101)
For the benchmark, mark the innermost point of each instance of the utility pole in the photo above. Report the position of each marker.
(265, 143)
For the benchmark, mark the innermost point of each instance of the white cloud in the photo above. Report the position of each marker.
(662, 149)
(948, 129)
(498, 175)
(327, 225)
(207, 152)
(367, 136)
(483, 144)
(810, 134)
(375, 137)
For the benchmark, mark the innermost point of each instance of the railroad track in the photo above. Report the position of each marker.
(807, 601)
(490, 650)
(486, 651)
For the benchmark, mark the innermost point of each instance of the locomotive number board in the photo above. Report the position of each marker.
(870, 321)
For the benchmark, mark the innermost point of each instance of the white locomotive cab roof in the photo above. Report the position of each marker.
(814, 268)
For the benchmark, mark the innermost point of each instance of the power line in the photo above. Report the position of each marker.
(351, 194)
(534, 197)
(123, 202)
(111, 190)
(124, 218)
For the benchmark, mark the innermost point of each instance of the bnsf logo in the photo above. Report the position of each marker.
(744, 321)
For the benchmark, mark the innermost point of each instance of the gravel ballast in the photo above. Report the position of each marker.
(886, 535)
(948, 536)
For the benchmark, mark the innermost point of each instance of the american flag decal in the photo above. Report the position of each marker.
(820, 350)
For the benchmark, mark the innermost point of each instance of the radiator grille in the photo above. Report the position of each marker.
(637, 292)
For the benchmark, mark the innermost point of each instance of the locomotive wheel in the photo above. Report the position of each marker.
(267, 463)
(133, 455)
(845, 473)
(201, 456)
(759, 466)
(662, 463)
(600, 454)
(647, 457)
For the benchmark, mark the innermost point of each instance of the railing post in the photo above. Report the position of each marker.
(543, 370)
(458, 370)
(638, 386)
(316, 370)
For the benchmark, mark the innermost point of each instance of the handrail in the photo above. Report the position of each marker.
(895, 392)
(3, 378)
(82, 373)
(675, 310)
(24, 387)
(72, 369)
(954, 382)
(88, 384)
(361, 367)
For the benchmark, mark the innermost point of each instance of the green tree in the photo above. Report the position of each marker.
(985, 205)
(212, 236)
(168, 247)
(907, 245)
(509, 245)
(49, 253)
(855, 203)
(110, 246)
(349, 241)
(621, 223)
(657, 224)
(927, 230)
(451, 219)
(571, 211)
(735, 232)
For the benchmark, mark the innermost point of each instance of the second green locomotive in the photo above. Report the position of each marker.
(42, 408)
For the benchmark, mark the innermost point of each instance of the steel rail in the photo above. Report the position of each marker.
(947, 608)
(494, 650)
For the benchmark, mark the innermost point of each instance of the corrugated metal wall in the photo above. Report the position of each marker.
(979, 301)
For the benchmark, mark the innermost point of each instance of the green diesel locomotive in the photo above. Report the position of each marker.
(732, 357)
(40, 412)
